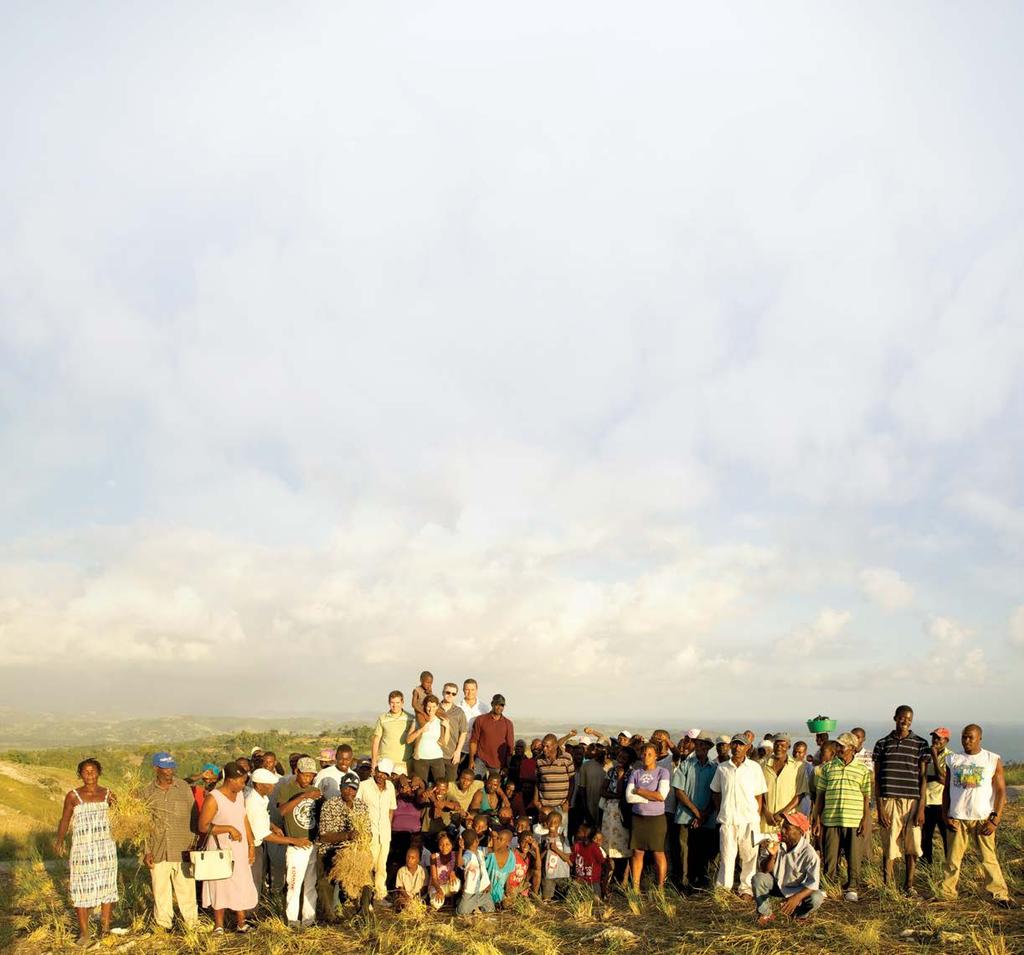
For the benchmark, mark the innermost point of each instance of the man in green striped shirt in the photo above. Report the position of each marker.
(840, 810)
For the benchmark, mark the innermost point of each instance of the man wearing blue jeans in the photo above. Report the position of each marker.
(790, 870)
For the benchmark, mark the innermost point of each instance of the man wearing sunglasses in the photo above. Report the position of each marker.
(457, 729)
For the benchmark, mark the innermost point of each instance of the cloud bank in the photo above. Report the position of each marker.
(604, 361)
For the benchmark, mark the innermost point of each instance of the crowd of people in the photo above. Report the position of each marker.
(450, 810)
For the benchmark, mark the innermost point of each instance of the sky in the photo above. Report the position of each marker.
(662, 361)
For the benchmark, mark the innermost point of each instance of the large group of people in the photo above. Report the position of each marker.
(449, 810)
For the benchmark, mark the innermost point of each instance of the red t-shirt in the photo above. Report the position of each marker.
(518, 875)
(528, 769)
(587, 862)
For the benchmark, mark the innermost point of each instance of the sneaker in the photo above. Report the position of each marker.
(244, 928)
(219, 930)
(1004, 903)
(295, 926)
(851, 895)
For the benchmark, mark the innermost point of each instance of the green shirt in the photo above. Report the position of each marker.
(392, 730)
(845, 786)
(300, 823)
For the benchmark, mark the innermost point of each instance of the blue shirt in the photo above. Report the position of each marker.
(694, 780)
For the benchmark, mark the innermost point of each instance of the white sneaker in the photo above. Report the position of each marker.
(851, 896)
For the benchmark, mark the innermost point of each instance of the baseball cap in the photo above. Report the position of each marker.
(692, 734)
(705, 738)
(940, 731)
(385, 766)
(726, 738)
(738, 738)
(764, 744)
(164, 761)
(847, 739)
(497, 700)
(212, 767)
(797, 819)
(349, 783)
(264, 776)
(327, 755)
(305, 765)
(781, 738)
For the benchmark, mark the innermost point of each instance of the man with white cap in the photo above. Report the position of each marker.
(173, 819)
(264, 832)
(737, 792)
(378, 793)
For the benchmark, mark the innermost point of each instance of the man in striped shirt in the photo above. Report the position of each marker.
(840, 811)
(901, 760)
(556, 775)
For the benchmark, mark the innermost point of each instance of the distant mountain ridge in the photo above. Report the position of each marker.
(36, 730)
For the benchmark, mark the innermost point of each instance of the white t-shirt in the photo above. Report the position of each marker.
(739, 787)
(970, 784)
(257, 810)
(554, 866)
(428, 743)
(472, 712)
(328, 780)
(474, 873)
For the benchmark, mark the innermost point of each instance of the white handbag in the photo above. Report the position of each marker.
(211, 865)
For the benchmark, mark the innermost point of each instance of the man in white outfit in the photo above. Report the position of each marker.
(378, 792)
(737, 792)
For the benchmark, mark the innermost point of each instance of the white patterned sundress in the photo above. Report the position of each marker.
(93, 859)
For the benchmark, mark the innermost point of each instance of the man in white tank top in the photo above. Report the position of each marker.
(972, 804)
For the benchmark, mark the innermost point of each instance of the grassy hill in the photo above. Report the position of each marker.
(33, 782)
(34, 917)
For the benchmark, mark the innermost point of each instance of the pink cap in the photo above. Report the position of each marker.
(941, 731)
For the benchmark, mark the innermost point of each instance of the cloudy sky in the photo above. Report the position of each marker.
(668, 362)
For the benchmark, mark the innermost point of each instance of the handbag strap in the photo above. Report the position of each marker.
(209, 832)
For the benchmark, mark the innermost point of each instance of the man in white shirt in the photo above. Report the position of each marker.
(737, 793)
(472, 708)
(378, 792)
(973, 798)
(330, 778)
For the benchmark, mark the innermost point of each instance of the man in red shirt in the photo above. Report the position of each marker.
(492, 741)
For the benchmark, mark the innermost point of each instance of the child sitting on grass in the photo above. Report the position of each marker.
(443, 879)
(557, 858)
(525, 878)
(410, 881)
(476, 883)
(588, 861)
(501, 863)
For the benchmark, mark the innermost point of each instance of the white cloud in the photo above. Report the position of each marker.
(953, 659)
(552, 363)
(819, 636)
(1017, 626)
(886, 588)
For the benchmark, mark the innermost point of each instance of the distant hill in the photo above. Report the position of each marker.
(20, 730)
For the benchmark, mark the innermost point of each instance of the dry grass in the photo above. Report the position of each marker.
(34, 918)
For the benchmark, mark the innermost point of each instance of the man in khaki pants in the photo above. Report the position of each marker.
(973, 797)
(171, 835)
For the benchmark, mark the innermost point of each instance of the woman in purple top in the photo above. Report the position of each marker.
(646, 791)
